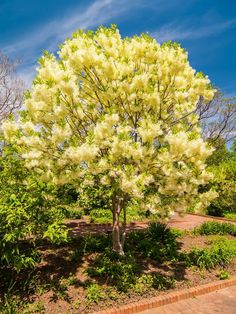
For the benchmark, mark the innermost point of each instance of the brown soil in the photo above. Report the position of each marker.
(60, 279)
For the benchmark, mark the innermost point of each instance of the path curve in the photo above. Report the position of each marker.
(188, 222)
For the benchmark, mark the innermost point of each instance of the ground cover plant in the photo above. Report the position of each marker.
(86, 275)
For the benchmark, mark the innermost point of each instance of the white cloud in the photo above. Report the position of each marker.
(51, 34)
(175, 31)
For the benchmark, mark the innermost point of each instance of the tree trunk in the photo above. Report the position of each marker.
(116, 236)
(124, 229)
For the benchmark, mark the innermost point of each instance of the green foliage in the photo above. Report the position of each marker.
(28, 211)
(157, 281)
(162, 282)
(67, 193)
(101, 215)
(72, 212)
(94, 293)
(143, 283)
(225, 184)
(221, 252)
(230, 215)
(96, 243)
(214, 227)
(221, 154)
(104, 215)
(124, 273)
(223, 274)
(57, 233)
(158, 242)
(215, 209)
(94, 196)
(120, 270)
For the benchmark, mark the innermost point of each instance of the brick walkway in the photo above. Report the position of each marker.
(222, 301)
(187, 222)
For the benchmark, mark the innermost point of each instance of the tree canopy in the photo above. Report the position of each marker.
(123, 110)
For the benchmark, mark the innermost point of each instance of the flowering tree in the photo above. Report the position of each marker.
(123, 110)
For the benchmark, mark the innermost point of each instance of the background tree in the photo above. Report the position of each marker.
(120, 109)
(217, 118)
(11, 87)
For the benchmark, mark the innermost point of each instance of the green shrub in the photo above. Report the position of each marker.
(28, 212)
(158, 243)
(215, 209)
(224, 183)
(215, 227)
(103, 215)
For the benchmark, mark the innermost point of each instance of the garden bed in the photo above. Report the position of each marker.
(85, 276)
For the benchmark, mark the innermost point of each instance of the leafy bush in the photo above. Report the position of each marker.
(214, 227)
(158, 242)
(67, 193)
(215, 209)
(28, 211)
(224, 183)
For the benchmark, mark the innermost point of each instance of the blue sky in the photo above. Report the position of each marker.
(206, 28)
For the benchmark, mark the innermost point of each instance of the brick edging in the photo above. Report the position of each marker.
(213, 217)
(171, 297)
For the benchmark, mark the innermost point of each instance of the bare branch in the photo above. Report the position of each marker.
(11, 87)
(218, 118)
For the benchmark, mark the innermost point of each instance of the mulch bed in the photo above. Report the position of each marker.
(57, 265)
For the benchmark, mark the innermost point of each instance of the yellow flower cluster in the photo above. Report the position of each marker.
(122, 108)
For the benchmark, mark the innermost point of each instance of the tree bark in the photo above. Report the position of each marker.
(124, 229)
(116, 236)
